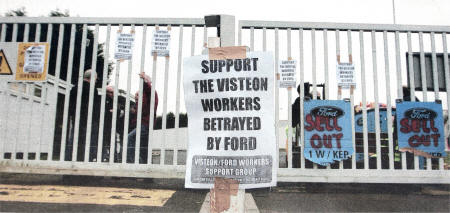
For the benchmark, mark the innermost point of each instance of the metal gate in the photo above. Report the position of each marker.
(36, 125)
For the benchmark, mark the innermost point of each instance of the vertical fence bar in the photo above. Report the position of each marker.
(352, 99)
(137, 144)
(435, 77)
(3, 35)
(447, 82)
(205, 37)
(193, 41)
(30, 100)
(388, 100)
(424, 83)
(92, 89)
(412, 87)
(302, 69)
(127, 111)
(164, 115)
(252, 39)
(56, 88)
(364, 107)
(66, 121)
(239, 34)
(79, 94)
(313, 58)
(377, 106)
(139, 108)
(177, 107)
(313, 68)
(325, 65)
(434, 66)
(14, 153)
(44, 97)
(398, 63)
(338, 60)
(289, 103)
(277, 104)
(6, 96)
(114, 116)
(422, 68)
(264, 41)
(5, 101)
(152, 103)
(103, 100)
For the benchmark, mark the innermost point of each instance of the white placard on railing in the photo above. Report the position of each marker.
(287, 73)
(345, 75)
(161, 42)
(124, 46)
(230, 104)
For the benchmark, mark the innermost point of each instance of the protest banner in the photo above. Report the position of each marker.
(328, 132)
(420, 128)
(230, 103)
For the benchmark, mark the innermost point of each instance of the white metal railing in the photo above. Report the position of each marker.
(381, 73)
(166, 80)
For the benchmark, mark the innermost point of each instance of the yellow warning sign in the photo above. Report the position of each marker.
(32, 62)
(5, 69)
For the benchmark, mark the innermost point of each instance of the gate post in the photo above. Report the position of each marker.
(225, 28)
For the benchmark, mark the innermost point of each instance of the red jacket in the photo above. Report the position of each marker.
(146, 98)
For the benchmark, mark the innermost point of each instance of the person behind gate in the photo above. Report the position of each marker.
(83, 119)
(145, 119)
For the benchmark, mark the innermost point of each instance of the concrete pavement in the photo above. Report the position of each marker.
(51, 193)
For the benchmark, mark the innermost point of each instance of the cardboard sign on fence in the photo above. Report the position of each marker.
(420, 128)
(328, 132)
(230, 103)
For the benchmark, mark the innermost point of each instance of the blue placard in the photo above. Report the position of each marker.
(328, 131)
(420, 128)
(371, 121)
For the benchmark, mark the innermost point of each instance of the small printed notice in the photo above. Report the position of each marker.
(124, 46)
(328, 132)
(231, 126)
(287, 73)
(345, 75)
(421, 128)
(161, 42)
(32, 61)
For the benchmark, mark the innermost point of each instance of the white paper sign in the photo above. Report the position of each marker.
(124, 46)
(231, 120)
(34, 59)
(161, 42)
(345, 75)
(287, 73)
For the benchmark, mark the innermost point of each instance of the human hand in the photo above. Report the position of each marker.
(145, 77)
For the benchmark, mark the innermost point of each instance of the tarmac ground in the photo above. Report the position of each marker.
(53, 193)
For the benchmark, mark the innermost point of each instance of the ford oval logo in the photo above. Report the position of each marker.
(420, 114)
(327, 111)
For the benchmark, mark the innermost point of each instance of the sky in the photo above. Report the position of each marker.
(413, 12)
(435, 12)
